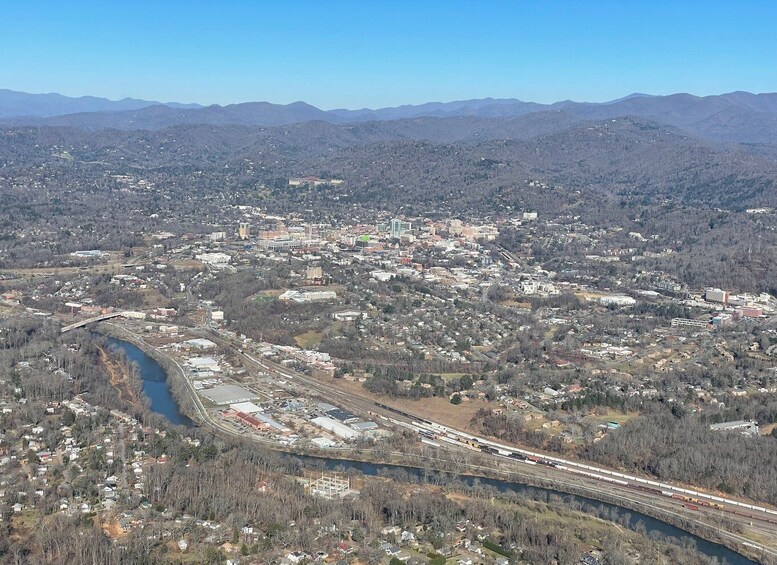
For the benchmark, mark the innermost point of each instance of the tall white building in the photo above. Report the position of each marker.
(399, 228)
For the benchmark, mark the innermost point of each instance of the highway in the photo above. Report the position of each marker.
(88, 321)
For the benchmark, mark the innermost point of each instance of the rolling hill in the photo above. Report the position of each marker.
(737, 117)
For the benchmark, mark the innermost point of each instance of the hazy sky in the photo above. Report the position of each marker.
(371, 54)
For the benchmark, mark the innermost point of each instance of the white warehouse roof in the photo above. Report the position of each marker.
(201, 343)
(246, 407)
(337, 428)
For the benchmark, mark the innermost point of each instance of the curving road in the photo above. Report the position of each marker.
(567, 472)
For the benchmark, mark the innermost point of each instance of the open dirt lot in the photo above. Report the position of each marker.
(438, 409)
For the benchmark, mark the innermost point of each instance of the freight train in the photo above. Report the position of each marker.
(429, 430)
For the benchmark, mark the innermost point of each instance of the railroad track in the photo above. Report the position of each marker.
(637, 490)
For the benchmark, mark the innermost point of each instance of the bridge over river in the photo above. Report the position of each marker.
(88, 321)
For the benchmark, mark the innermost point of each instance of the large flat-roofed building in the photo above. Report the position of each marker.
(744, 427)
(364, 426)
(617, 300)
(200, 343)
(342, 416)
(337, 428)
(348, 315)
(689, 323)
(313, 181)
(88, 253)
(289, 243)
(213, 258)
(270, 423)
(246, 407)
(308, 296)
(227, 394)
(200, 364)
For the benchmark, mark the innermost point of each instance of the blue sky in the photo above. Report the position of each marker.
(372, 54)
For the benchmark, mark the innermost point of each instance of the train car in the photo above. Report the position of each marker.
(488, 449)
(691, 507)
(518, 456)
(400, 412)
(709, 504)
(685, 498)
(648, 489)
(469, 443)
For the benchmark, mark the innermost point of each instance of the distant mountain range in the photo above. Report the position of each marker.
(738, 117)
(15, 104)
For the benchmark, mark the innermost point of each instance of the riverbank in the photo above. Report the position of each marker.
(122, 379)
(483, 470)
(177, 385)
(517, 481)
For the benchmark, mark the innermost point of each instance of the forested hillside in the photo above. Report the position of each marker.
(627, 172)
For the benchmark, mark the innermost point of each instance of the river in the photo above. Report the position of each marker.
(155, 385)
(162, 402)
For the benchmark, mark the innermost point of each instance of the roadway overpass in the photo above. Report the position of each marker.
(88, 321)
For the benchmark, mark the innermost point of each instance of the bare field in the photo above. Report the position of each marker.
(613, 416)
(767, 429)
(438, 409)
(308, 340)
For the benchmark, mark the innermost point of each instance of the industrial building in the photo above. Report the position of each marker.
(343, 416)
(248, 420)
(200, 343)
(337, 428)
(617, 300)
(348, 315)
(247, 407)
(270, 423)
(744, 427)
(203, 364)
(364, 426)
(228, 394)
(689, 323)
